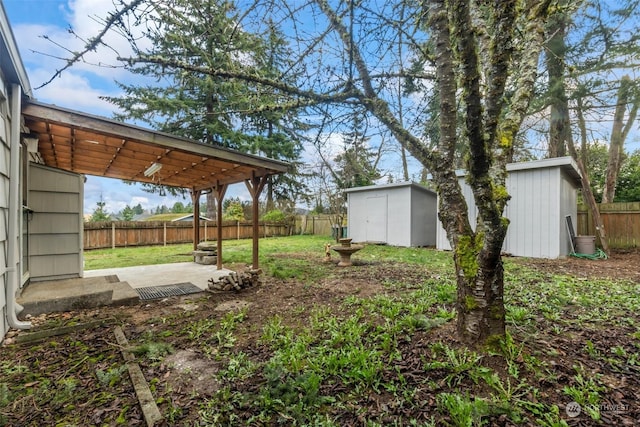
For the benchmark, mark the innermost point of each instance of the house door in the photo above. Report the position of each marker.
(376, 219)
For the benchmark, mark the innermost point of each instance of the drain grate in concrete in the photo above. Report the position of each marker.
(156, 292)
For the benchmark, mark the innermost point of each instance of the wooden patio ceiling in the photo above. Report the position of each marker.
(92, 145)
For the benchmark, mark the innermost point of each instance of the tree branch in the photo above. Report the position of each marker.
(93, 43)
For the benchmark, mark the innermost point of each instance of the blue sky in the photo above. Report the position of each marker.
(80, 87)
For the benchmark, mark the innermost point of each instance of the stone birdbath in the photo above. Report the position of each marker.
(346, 249)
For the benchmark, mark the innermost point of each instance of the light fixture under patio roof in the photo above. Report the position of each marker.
(155, 167)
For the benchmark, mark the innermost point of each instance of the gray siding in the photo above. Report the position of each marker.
(441, 235)
(4, 203)
(12, 74)
(568, 206)
(542, 194)
(402, 214)
(424, 209)
(533, 212)
(55, 231)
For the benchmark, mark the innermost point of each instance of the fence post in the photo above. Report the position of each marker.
(164, 235)
(113, 235)
(238, 230)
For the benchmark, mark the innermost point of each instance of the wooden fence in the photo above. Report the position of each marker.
(621, 224)
(320, 225)
(112, 234)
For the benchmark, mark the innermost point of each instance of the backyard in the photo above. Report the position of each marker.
(317, 345)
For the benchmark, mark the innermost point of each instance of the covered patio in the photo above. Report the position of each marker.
(85, 144)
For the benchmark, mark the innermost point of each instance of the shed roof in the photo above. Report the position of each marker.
(93, 145)
(566, 164)
(393, 185)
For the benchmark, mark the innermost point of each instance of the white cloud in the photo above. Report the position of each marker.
(74, 91)
(44, 49)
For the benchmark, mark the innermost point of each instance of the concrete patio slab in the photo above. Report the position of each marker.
(113, 286)
(163, 274)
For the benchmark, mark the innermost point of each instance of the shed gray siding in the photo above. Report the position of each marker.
(424, 207)
(401, 214)
(542, 193)
(55, 231)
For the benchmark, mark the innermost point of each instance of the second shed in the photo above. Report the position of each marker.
(399, 214)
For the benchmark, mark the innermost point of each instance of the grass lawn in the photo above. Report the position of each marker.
(317, 345)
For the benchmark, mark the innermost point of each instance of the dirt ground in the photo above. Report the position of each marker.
(620, 265)
(185, 377)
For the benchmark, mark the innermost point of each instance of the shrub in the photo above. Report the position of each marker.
(274, 215)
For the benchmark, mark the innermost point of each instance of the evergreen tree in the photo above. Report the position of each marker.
(276, 132)
(100, 213)
(629, 180)
(127, 213)
(203, 35)
(357, 165)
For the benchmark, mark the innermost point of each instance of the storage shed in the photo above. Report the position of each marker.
(543, 193)
(400, 214)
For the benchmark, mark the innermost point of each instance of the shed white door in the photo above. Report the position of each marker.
(376, 219)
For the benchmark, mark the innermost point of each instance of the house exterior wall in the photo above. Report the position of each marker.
(542, 194)
(55, 230)
(14, 83)
(4, 202)
(401, 214)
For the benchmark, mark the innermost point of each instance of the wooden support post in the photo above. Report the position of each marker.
(195, 200)
(255, 185)
(219, 191)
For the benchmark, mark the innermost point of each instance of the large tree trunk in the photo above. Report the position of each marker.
(617, 141)
(480, 305)
(559, 117)
(479, 273)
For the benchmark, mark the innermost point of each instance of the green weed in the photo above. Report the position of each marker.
(110, 377)
(458, 363)
(154, 351)
(239, 367)
(586, 392)
(463, 411)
